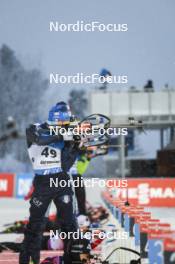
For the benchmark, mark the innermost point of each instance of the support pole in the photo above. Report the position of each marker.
(122, 156)
(161, 138)
(171, 133)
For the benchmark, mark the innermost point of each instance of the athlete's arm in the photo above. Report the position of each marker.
(41, 136)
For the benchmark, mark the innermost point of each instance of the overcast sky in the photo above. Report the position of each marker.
(145, 51)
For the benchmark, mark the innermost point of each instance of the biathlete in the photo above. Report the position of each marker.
(52, 156)
(77, 171)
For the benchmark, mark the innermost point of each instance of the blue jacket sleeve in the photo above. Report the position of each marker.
(40, 136)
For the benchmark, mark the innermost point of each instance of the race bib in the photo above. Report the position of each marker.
(45, 157)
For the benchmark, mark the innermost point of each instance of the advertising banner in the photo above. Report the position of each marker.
(6, 184)
(23, 184)
(149, 192)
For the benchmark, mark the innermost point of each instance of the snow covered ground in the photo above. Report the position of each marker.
(12, 209)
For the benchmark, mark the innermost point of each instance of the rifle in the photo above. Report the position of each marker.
(98, 122)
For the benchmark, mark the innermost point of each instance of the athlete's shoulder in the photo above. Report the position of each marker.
(32, 126)
(31, 133)
(35, 127)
